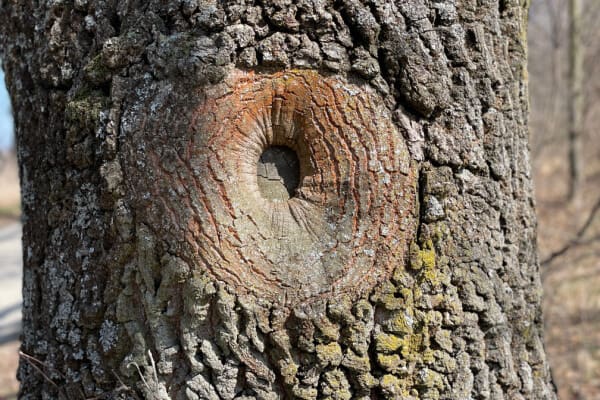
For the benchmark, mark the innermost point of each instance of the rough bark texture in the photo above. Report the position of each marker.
(146, 275)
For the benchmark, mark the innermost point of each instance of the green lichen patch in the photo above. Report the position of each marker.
(96, 71)
(387, 343)
(82, 117)
(412, 347)
(335, 386)
(392, 387)
(329, 354)
(85, 109)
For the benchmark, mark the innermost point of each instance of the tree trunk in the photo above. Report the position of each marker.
(239, 200)
(575, 99)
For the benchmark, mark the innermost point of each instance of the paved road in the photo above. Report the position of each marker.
(10, 282)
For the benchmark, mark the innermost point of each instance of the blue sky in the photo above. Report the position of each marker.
(6, 121)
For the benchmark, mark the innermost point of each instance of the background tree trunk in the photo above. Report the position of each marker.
(576, 103)
(132, 121)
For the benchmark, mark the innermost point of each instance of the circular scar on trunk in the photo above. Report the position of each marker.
(297, 186)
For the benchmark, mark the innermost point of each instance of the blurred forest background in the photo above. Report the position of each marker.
(564, 84)
(564, 88)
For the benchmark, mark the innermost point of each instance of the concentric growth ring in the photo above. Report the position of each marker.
(304, 186)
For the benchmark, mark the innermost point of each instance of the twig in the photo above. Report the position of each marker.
(139, 372)
(123, 386)
(37, 363)
(576, 241)
(31, 360)
(153, 366)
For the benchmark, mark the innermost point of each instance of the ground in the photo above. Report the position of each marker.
(9, 192)
(8, 364)
(10, 276)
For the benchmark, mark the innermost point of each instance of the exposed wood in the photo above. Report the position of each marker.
(344, 230)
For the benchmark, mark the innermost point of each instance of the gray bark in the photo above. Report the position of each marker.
(413, 155)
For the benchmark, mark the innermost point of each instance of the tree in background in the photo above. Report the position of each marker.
(576, 101)
(564, 113)
(239, 200)
(563, 50)
(568, 233)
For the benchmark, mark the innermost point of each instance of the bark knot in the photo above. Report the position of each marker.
(297, 185)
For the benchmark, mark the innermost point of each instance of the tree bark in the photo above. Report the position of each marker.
(240, 200)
